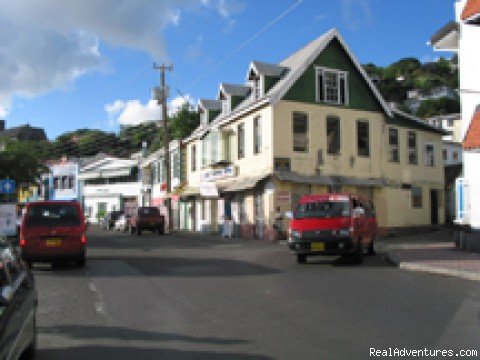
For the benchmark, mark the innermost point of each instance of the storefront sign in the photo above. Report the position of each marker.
(216, 174)
(208, 189)
(8, 219)
(283, 197)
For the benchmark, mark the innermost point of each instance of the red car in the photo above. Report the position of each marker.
(146, 218)
(53, 231)
(333, 224)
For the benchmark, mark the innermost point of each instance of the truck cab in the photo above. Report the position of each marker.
(332, 224)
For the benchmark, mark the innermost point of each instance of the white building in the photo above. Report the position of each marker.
(110, 184)
(463, 36)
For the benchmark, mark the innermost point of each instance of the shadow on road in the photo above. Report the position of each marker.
(119, 353)
(125, 266)
(99, 333)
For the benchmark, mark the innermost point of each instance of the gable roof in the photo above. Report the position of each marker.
(266, 69)
(446, 38)
(234, 90)
(417, 122)
(210, 104)
(471, 12)
(293, 68)
(472, 137)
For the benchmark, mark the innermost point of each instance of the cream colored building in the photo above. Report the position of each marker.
(312, 123)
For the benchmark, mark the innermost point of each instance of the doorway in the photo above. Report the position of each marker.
(434, 206)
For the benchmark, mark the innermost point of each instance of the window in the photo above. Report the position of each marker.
(56, 183)
(71, 182)
(256, 88)
(429, 155)
(416, 197)
(393, 145)
(412, 148)
(241, 141)
(445, 154)
(333, 135)
(193, 160)
(257, 135)
(300, 132)
(281, 164)
(363, 138)
(455, 155)
(331, 86)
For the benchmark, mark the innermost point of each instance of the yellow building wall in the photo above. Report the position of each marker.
(348, 163)
(251, 164)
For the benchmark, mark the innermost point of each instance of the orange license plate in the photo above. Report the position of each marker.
(317, 246)
(54, 242)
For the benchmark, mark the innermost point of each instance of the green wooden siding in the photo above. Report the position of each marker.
(212, 114)
(236, 100)
(269, 82)
(335, 57)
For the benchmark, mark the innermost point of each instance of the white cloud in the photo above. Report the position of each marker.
(133, 112)
(357, 14)
(47, 44)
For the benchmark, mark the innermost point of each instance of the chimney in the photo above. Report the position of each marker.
(2, 125)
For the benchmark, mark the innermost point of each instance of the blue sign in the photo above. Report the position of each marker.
(7, 186)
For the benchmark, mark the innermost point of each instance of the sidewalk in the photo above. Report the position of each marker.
(433, 252)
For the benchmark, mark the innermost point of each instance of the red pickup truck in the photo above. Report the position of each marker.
(146, 218)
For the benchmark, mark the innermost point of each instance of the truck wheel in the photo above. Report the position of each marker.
(371, 246)
(301, 258)
(359, 252)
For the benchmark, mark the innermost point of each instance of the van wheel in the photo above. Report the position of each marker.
(301, 258)
(359, 252)
(371, 246)
(81, 262)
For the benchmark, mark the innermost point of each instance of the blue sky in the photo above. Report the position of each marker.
(88, 64)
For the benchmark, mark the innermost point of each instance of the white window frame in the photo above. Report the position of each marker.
(426, 159)
(257, 87)
(226, 105)
(257, 135)
(340, 74)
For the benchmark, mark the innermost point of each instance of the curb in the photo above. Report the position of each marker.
(413, 266)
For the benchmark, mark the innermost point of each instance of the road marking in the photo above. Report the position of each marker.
(98, 304)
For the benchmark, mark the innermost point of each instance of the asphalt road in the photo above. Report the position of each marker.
(194, 297)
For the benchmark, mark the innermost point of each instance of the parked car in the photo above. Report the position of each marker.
(18, 307)
(109, 220)
(333, 224)
(146, 218)
(121, 224)
(53, 231)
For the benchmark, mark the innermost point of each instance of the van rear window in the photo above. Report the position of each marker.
(148, 211)
(323, 209)
(52, 215)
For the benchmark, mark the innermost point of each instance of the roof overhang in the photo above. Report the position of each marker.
(446, 39)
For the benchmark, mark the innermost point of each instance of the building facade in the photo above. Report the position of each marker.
(312, 123)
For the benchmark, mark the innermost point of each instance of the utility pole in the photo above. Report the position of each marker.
(161, 94)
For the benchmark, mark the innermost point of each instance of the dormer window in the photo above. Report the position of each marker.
(331, 86)
(256, 88)
(225, 106)
(203, 116)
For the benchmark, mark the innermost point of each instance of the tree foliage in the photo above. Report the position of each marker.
(442, 106)
(22, 161)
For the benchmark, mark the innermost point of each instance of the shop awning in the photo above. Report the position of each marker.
(241, 184)
(329, 180)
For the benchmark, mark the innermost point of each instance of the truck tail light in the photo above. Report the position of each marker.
(22, 241)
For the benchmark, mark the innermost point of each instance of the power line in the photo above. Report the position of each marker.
(246, 42)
